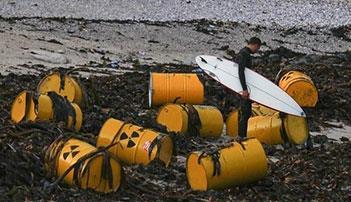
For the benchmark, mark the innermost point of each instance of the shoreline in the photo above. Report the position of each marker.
(69, 42)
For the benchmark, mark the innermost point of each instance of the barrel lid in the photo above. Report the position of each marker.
(108, 132)
(91, 172)
(196, 173)
(69, 89)
(174, 117)
(52, 82)
(23, 107)
(78, 95)
(303, 92)
(45, 108)
(296, 129)
(79, 116)
(18, 109)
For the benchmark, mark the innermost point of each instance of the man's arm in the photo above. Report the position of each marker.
(243, 60)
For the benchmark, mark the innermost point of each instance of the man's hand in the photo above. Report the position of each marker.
(245, 94)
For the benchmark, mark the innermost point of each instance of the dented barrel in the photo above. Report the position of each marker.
(136, 145)
(300, 87)
(175, 88)
(202, 120)
(236, 164)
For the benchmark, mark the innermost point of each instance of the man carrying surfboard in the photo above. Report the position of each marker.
(244, 61)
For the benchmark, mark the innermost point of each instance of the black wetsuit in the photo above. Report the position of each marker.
(244, 61)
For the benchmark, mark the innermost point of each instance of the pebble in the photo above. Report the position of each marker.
(285, 13)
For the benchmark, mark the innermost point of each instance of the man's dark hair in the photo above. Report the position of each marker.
(254, 40)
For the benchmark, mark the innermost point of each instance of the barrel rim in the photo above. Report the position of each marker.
(167, 140)
(107, 122)
(205, 180)
(39, 86)
(70, 97)
(183, 113)
(79, 116)
(23, 105)
(309, 85)
(78, 94)
(87, 148)
(292, 133)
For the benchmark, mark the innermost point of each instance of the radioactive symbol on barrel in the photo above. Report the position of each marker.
(73, 152)
(130, 138)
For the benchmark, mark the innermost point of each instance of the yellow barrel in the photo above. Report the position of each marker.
(24, 108)
(233, 165)
(78, 95)
(207, 121)
(136, 145)
(175, 88)
(77, 123)
(232, 123)
(272, 129)
(68, 88)
(260, 110)
(64, 154)
(267, 129)
(300, 87)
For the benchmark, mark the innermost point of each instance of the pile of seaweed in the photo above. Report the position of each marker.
(321, 173)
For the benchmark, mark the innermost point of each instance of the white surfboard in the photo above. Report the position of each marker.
(261, 89)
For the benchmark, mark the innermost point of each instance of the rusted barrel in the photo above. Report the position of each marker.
(175, 88)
